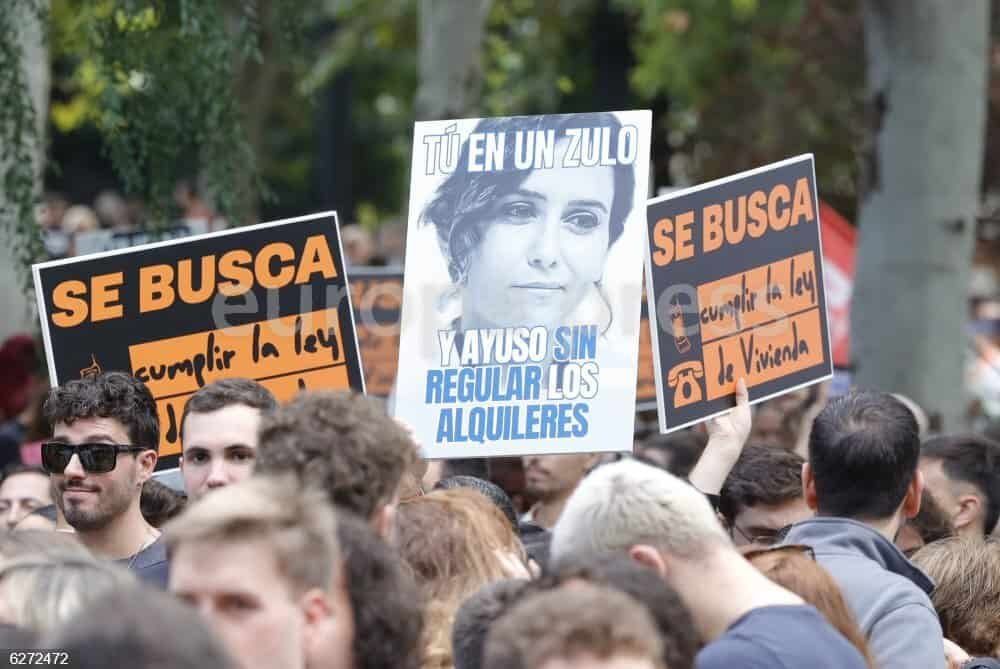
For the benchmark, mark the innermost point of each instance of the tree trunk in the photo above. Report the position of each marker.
(450, 61)
(927, 76)
(15, 305)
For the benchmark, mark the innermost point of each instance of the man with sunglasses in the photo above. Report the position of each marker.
(105, 432)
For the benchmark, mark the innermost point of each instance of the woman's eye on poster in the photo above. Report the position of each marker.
(536, 223)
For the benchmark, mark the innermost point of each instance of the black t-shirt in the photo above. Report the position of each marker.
(781, 637)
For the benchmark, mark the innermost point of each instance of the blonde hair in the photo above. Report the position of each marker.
(966, 573)
(626, 503)
(298, 524)
(796, 572)
(40, 592)
(453, 542)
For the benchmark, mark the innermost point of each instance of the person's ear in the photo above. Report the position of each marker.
(648, 556)
(970, 509)
(914, 492)
(147, 464)
(809, 487)
(317, 611)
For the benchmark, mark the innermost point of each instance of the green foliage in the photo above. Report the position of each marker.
(365, 30)
(19, 138)
(225, 89)
(751, 82)
(161, 75)
(528, 68)
(528, 65)
(374, 43)
(165, 83)
(748, 82)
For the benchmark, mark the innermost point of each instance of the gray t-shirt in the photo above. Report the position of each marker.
(150, 564)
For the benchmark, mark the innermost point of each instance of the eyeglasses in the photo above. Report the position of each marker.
(757, 539)
(756, 551)
(95, 458)
(766, 538)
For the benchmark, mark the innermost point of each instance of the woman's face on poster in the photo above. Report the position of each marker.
(543, 248)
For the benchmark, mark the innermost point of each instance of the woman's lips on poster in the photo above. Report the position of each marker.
(539, 286)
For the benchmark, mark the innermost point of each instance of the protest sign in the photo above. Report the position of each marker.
(645, 389)
(377, 297)
(267, 302)
(523, 277)
(736, 270)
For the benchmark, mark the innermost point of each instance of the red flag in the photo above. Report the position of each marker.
(838, 255)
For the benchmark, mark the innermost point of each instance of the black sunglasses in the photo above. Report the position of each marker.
(95, 458)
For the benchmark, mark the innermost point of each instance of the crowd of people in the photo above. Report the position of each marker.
(311, 534)
(66, 226)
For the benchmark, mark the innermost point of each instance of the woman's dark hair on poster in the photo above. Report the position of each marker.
(460, 208)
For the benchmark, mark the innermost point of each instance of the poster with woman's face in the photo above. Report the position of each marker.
(522, 287)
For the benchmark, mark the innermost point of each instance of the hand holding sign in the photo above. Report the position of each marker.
(727, 435)
(733, 428)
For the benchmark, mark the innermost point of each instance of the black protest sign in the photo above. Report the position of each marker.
(268, 302)
(736, 268)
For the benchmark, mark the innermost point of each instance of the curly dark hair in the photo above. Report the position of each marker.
(108, 395)
(388, 611)
(458, 210)
(227, 392)
(341, 441)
